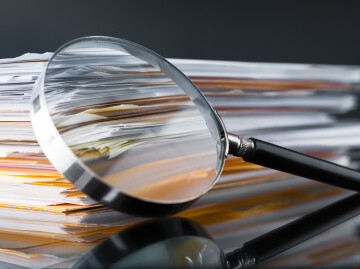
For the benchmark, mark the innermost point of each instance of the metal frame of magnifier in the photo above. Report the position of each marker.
(251, 150)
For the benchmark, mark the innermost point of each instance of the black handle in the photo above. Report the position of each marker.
(279, 240)
(299, 164)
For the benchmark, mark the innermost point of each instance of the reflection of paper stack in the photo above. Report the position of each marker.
(293, 105)
(232, 216)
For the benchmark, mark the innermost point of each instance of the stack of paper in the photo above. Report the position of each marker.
(306, 107)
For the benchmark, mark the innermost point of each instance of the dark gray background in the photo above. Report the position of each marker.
(270, 31)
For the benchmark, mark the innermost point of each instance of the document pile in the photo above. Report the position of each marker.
(310, 108)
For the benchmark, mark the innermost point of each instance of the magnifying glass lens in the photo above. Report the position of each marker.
(126, 115)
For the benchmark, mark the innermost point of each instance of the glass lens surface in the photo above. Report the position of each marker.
(133, 120)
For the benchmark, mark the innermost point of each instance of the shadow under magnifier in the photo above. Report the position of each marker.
(183, 243)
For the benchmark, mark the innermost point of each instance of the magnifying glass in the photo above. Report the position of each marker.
(129, 129)
(183, 243)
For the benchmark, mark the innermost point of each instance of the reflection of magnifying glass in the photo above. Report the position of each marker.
(163, 243)
(183, 243)
(130, 130)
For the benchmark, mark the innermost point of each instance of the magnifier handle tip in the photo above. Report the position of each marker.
(240, 147)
